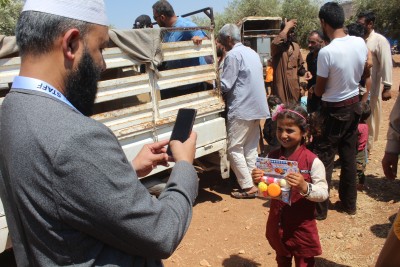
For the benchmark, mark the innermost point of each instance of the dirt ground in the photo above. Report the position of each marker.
(230, 232)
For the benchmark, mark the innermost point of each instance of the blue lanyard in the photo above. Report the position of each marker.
(26, 83)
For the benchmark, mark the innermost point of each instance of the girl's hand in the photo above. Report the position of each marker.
(257, 174)
(296, 180)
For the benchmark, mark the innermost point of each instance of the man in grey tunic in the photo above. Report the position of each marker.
(71, 196)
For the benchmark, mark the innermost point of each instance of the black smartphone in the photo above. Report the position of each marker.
(183, 126)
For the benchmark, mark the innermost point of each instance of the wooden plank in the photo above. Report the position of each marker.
(115, 58)
(122, 87)
(186, 49)
(9, 68)
(184, 76)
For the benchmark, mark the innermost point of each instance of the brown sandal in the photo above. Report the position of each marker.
(244, 195)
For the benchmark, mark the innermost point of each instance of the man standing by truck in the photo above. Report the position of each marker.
(165, 16)
(243, 85)
(71, 196)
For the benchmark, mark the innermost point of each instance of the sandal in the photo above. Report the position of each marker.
(244, 195)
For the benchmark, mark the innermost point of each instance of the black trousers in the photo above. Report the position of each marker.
(339, 134)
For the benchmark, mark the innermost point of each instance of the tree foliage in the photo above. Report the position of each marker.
(387, 15)
(9, 13)
(3, 3)
(238, 9)
(306, 12)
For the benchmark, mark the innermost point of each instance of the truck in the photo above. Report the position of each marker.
(129, 99)
(258, 33)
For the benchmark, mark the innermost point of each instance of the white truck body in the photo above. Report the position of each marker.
(150, 118)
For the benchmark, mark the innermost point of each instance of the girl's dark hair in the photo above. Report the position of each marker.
(296, 113)
(366, 112)
(311, 124)
(315, 122)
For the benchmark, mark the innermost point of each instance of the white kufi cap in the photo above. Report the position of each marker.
(92, 11)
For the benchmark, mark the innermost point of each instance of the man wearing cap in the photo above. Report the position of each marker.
(143, 21)
(71, 197)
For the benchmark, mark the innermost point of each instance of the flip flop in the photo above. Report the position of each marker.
(244, 195)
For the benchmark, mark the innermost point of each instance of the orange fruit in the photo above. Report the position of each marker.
(274, 190)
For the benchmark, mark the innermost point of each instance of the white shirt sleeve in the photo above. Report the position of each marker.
(323, 64)
(319, 192)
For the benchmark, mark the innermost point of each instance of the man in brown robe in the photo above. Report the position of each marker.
(287, 62)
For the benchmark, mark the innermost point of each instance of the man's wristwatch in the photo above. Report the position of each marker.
(309, 189)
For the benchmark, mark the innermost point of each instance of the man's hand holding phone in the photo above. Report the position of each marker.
(149, 157)
(182, 127)
(184, 151)
(182, 146)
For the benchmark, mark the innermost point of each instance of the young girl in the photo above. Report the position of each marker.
(291, 229)
(362, 132)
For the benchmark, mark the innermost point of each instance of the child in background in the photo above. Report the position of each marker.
(269, 77)
(269, 130)
(303, 95)
(292, 229)
(362, 154)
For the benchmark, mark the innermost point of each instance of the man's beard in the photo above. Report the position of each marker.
(314, 49)
(81, 84)
(220, 52)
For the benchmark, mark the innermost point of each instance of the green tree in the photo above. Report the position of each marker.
(3, 3)
(387, 15)
(306, 13)
(9, 13)
(238, 9)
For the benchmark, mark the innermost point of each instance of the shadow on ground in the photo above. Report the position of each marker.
(238, 261)
(321, 262)
(382, 189)
(382, 230)
(379, 188)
